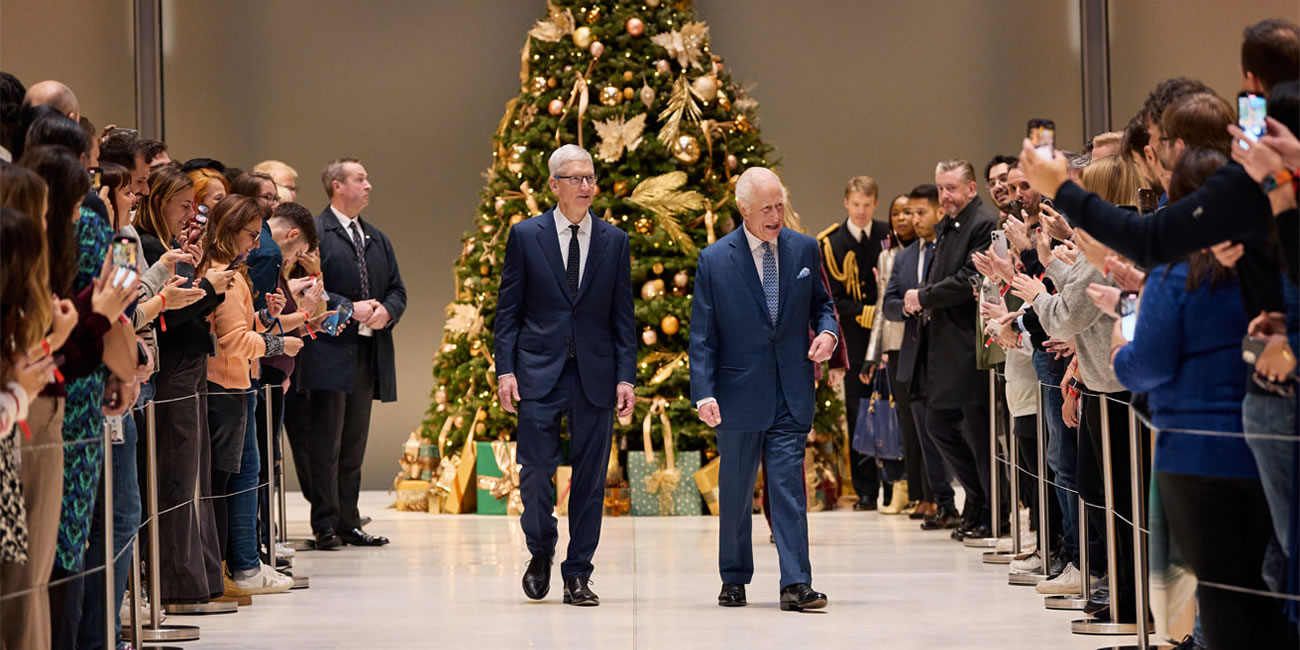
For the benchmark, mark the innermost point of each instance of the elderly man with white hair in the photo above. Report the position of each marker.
(758, 291)
(565, 347)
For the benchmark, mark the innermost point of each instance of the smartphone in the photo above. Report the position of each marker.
(121, 131)
(96, 178)
(186, 270)
(990, 293)
(1128, 315)
(201, 215)
(335, 324)
(1251, 111)
(1147, 200)
(1251, 348)
(1042, 135)
(1015, 208)
(1000, 243)
(123, 252)
(238, 260)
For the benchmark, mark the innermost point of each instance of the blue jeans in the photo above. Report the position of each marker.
(242, 554)
(1275, 459)
(126, 521)
(1062, 452)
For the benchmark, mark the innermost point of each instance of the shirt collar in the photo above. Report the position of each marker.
(344, 220)
(857, 232)
(562, 222)
(754, 242)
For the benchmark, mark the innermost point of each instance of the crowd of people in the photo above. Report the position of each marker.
(131, 279)
(1137, 274)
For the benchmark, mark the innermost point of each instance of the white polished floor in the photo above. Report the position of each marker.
(453, 582)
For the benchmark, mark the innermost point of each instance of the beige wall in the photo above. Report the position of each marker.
(415, 89)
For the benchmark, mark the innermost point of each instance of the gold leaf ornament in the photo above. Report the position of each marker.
(661, 196)
(681, 104)
(616, 135)
(686, 45)
(555, 26)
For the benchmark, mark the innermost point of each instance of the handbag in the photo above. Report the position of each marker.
(877, 433)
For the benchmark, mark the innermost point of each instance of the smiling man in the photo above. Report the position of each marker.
(757, 294)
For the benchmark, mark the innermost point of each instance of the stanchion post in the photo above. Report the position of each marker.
(270, 478)
(1044, 533)
(110, 596)
(135, 590)
(995, 501)
(1139, 549)
(156, 631)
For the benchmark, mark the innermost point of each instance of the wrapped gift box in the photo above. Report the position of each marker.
(648, 478)
(707, 481)
(456, 490)
(412, 496)
(498, 479)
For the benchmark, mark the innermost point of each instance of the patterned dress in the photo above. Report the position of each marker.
(83, 419)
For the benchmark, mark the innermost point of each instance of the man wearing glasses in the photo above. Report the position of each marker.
(565, 347)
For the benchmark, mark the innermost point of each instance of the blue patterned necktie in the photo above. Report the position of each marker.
(769, 282)
(359, 250)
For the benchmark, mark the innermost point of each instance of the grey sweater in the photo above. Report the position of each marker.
(1070, 313)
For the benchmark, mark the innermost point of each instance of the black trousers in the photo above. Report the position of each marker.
(962, 436)
(334, 427)
(297, 429)
(274, 378)
(1122, 604)
(918, 488)
(1222, 526)
(1025, 428)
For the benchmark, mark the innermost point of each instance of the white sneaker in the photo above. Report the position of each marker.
(1028, 542)
(124, 613)
(1031, 564)
(284, 550)
(265, 581)
(1066, 583)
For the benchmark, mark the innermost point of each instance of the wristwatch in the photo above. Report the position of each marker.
(1074, 387)
(1276, 180)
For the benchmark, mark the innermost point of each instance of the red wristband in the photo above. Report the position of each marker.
(162, 320)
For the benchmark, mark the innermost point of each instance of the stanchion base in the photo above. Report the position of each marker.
(211, 607)
(1024, 579)
(1090, 626)
(1076, 603)
(980, 542)
(1150, 646)
(301, 582)
(992, 557)
(164, 633)
(300, 544)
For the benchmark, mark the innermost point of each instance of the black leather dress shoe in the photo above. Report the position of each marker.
(537, 578)
(864, 505)
(358, 537)
(732, 595)
(576, 592)
(797, 598)
(943, 518)
(327, 539)
(979, 532)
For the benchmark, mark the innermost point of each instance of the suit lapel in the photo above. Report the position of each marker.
(785, 260)
(550, 244)
(595, 248)
(744, 261)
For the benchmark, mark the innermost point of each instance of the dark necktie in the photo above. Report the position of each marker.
(926, 254)
(359, 250)
(575, 258)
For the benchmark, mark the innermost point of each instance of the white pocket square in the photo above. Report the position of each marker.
(803, 273)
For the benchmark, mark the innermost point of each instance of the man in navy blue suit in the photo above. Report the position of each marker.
(757, 293)
(565, 347)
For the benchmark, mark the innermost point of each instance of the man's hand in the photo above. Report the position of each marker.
(310, 262)
(1027, 288)
(1228, 253)
(911, 302)
(822, 347)
(1127, 276)
(1070, 410)
(1105, 297)
(1017, 234)
(868, 374)
(710, 414)
(998, 269)
(362, 310)
(378, 317)
(1062, 349)
(1045, 176)
(1277, 361)
(626, 400)
(508, 393)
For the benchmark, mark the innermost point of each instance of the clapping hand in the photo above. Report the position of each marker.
(1067, 253)
(1123, 273)
(1105, 297)
(1027, 288)
(1055, 224)
(1017, 234)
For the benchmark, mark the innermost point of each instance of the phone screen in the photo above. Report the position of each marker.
(339, 320)
(96, 178)
(1147, 200)
(1042, 135)
(124, 253)
(1128, 316)
(1251, 111)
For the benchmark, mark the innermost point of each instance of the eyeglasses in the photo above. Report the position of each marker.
(254, 233)
(273, 198)
(577, 181)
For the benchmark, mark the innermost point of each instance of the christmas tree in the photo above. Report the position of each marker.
(636, 84)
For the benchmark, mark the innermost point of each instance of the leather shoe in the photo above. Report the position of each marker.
(327, 539)
(923, 509)
(942, 518)
(797, 598)
(732, 595)
(537, 578)
(864, 505)
(358, 537)
(576, 592)
(979, 532)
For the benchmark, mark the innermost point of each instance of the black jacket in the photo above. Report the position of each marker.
(329, 362)
(188, 330)
(953, 380)
(901, 280)
(853, 285)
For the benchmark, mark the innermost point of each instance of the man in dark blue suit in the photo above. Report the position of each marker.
(757, 293)
(565, 347)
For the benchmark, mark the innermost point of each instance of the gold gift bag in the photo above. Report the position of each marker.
(707, 480)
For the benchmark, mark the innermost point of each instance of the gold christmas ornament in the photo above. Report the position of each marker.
(732, 161)
(669, 325)
(648, 291)
(440, 396)
(677, 292)
(610, 96)
(620, 188)
(617, 135)
(658, 268)
(555, 107)
(487, 228)
(634, 26)
(659, 286)
(476, 348)
(628, 76)
(652, 3)
(538, 85)
(582, 37)
(552, 82)
(459, 421)
(647, 94)
(706, 87)
(516, 218)
(593, 15)
(681, 279)
(629, 93)
(480, 428)
(649, 336)
(499, 203)
(597, 48)
(645, 226)
(686, 149)
(515, 159)
(663, 66)
(482, 270)
(742, 124)
(724, 102)
(448, 348)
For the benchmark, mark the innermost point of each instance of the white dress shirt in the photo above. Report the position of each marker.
(562, 224)
(756, 249)
(856, 231)
(347, 222)
(921, 266)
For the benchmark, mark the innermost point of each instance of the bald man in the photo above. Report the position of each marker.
(56, 94)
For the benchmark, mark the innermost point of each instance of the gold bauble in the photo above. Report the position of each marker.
(669, 325)
(681, 279)
(724, 102)
(629, 93)
(732, 161)
(516, 218)
(644, 225)
(487, 228)
(484, 269)
(480, 428)
(448, 348)
(706, 87)
(659, 287)
(620, 188)
(476, 348)
(440, 396)
(582, 37)
(515, 159)
(499, 203)
(634, 26)
(610, 96)
(677, 292)
(663, 66)
(742, 124)
(658, 268)
(538, 85)
(593, 15)
(555, 107)
(649, 336)
(628, 76)
(686, 149)
(652, 3)
(458, 421)
(552, 82)
(648, 291)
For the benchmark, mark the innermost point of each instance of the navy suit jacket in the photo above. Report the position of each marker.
(536, 316)
(737, 356)
(902, 279)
